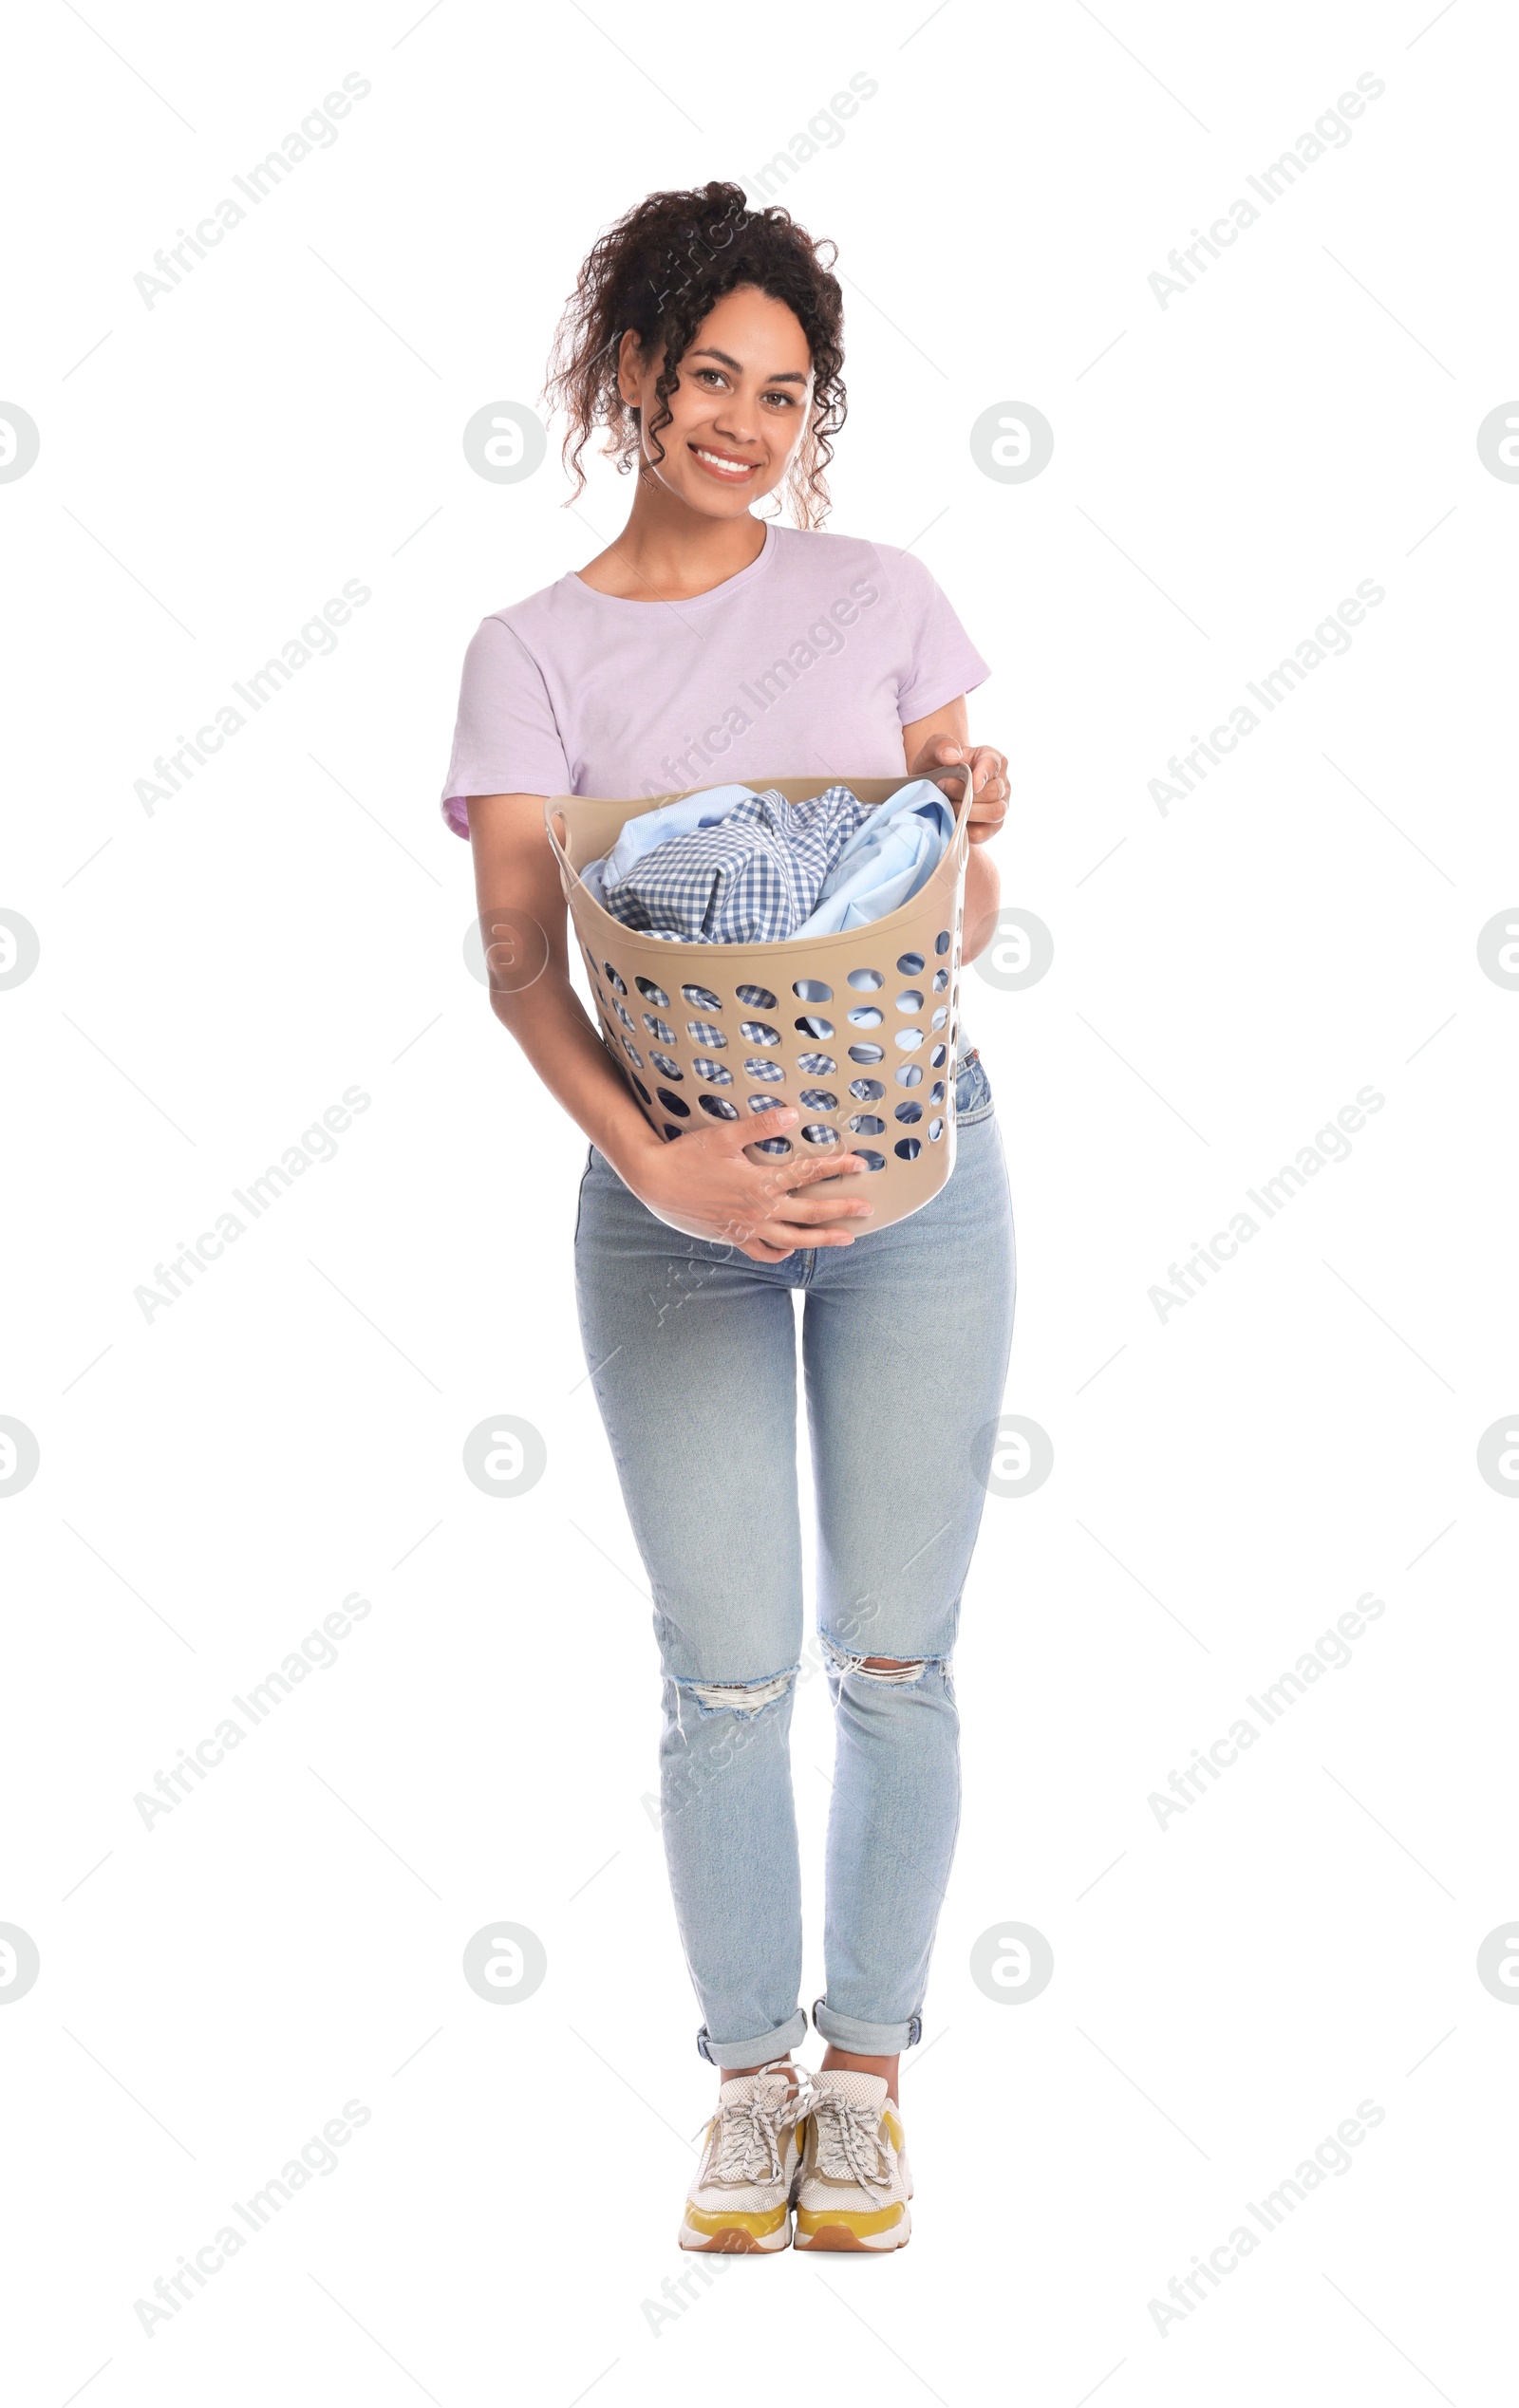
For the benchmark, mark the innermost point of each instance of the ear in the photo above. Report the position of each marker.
(630, 368)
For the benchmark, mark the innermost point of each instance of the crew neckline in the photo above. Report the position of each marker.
(689, 600)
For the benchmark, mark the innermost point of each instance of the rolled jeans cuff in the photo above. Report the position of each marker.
(752, 2052)
(865, 2040)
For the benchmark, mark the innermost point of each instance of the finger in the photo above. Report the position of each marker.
(791, 1242)
(805, 1203)
(731, 1136)
(803, 1174)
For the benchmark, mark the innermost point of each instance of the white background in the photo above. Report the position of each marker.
(1227, 1480)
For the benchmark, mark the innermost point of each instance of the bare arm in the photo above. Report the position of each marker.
(525, 927)
(703, 1182)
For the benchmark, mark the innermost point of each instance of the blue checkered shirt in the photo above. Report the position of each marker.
(750, 880)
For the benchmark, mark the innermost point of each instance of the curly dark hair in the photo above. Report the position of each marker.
(658, 271)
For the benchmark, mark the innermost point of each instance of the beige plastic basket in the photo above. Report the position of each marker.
(723, 1029)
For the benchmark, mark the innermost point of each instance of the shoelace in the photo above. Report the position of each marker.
(748, 2132)
(848, 2145)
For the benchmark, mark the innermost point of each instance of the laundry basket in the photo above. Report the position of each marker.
(856, 1032)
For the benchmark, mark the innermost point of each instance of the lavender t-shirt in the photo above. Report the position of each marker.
(809, 662)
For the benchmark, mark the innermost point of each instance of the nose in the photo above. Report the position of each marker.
(735, 421)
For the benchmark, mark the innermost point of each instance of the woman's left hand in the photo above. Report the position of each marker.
(988, 769)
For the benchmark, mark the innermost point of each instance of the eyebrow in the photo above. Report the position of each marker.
(787, 376)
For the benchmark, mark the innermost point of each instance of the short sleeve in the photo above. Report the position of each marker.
(941, 660)
(506, 738)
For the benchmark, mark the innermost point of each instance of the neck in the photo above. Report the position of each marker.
(667, 549)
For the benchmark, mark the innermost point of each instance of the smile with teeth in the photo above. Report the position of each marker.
(734, 468)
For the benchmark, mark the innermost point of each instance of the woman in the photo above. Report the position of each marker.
(707, 646)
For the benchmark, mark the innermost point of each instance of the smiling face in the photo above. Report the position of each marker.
(740, 408)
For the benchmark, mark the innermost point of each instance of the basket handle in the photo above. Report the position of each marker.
(554, 824)
(948, 769)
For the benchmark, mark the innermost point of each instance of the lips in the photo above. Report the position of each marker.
(723, 465)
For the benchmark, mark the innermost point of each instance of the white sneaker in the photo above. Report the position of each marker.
(855, 2183)
(740, 2199)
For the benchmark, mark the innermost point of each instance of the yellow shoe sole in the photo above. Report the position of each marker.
(737, 2234)
(844, 2228)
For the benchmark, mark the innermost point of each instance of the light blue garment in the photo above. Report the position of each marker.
(693, 1349)
(668, 877)
(886, 862)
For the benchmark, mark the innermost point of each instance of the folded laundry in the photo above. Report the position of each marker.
(732, 867)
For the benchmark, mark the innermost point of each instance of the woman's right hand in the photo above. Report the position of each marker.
(704, 1184)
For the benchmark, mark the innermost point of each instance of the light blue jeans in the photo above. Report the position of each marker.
(905, 1344)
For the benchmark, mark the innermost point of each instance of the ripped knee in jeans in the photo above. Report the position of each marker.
(739, 1697)
(890, 1670)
